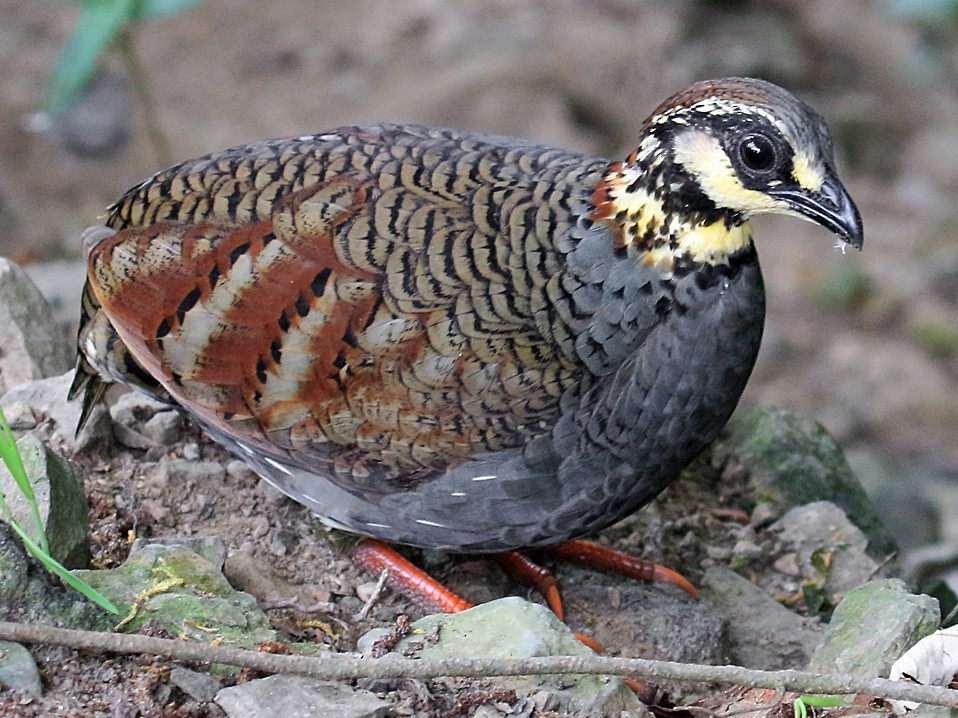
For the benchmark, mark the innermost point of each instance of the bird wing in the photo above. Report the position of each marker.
(377, 303)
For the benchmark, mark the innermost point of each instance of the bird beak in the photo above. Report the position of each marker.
(831, 207)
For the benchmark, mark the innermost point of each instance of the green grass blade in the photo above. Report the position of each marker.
(58, 570)
(14, 463)
(11, 457)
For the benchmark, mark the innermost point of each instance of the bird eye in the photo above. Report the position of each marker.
(757, 153)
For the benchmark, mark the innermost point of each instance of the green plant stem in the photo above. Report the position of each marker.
(11, 457)
(126, 47)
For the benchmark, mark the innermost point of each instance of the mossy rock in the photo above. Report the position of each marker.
(794, 461)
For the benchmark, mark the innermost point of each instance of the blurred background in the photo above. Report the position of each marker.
(865, 343)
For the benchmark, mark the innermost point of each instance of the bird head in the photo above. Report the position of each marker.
(712, 156)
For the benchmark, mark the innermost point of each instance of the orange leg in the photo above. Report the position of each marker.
(609, 560)
(375, 556)
(526, 571)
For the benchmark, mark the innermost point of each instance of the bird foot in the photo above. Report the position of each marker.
(602, 558)
(406, 577)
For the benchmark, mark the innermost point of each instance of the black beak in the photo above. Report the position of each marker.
(831, 207)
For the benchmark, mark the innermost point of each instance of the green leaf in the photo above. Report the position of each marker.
(11, 457)
(154, 9)
(14, 463)
(99, 23)
(57, 569)
(825, 701)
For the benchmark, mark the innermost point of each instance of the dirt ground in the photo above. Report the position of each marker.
(868, 344)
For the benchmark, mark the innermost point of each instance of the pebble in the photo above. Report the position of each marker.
(20, 417)
(299, 697)
(201, 687)
(18, 671)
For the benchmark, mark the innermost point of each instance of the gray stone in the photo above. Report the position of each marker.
(164, 428)
(19, 416)
(793, 461)
(248, 573)
(819, 531)
(57, 486)
(647, 629)
(299, 697)
(33, 347)
(873, 626)
(18, 671)
(212, 548)
(47, 398)
(201, 687)
(514, 628)
(140, 422)
(761, 632)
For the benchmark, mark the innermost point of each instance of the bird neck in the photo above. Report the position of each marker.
(657, 211)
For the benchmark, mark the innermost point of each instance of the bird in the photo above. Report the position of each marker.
(453, 340)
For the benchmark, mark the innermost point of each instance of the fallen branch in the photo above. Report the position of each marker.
(346, 667)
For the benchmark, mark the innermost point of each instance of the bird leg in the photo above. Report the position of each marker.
(404, 576)
(602, 558)
(525, 570)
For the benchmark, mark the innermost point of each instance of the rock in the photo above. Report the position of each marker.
(20, 417)
(29, 594)
(514, 628)
(761, 632)
(299, 697)
(58, 489)
(185, 594)
(33, 347)
(61, 284)
(647, 629)
(256, 577)
(164, 428)
(212, 548)
(793, 461)
(872, 627)
(47, 398)
(201, 687)
(140, 422)
(18, 671)
(828, 547)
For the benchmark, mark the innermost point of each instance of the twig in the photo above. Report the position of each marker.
(347, 667)
(371, 601)
(326, 607)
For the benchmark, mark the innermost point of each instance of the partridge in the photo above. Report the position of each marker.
(455, 340)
